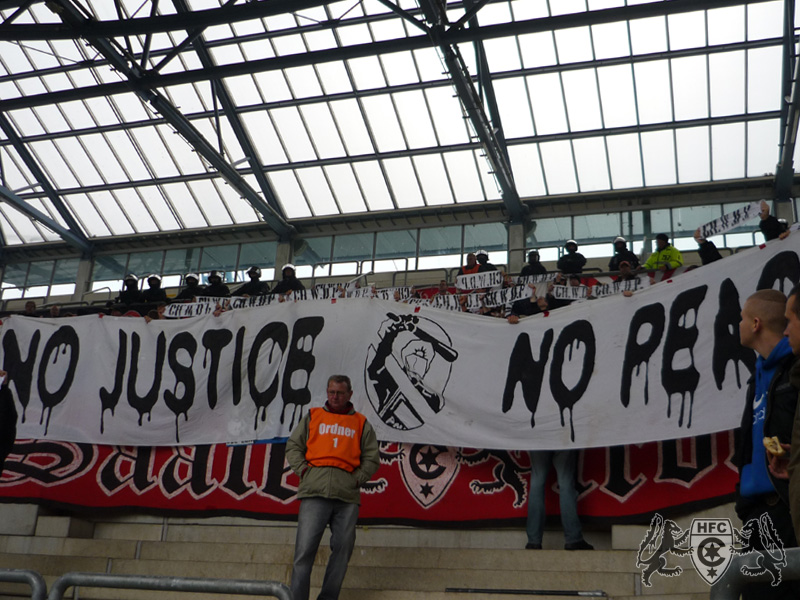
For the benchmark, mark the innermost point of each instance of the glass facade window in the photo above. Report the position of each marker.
(439, 241)
(593, 227)
(687, 220)
(313, 251)
(110, 267)
(355, 247)
(142, 264)
(181, 261)
(546, 231)
(485, 236)
(396, 244)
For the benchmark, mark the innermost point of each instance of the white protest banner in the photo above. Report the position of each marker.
(446, 302)
(326, 291)
(185, 310)
(610, 288)
(478, 281)
(730, 220)
(389, 293)
(570, 292)
(507, 295)
(664, 363)
(534, 279)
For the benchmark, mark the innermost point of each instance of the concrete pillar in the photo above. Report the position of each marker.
(784, 209)
(283, 255)
(516, 247)
(83, 279)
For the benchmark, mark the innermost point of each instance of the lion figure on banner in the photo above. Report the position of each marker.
(759, 535)
(663, 537)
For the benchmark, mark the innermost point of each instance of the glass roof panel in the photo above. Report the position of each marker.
(415, 119)
(583, 103)
(372, 181)
(351, 125)
(111, 213)
(537, 49)
(161, 211)
(289, 194)
(762, 152)
(448, 120)
(623, 151)
(617, 96)
(764, 20)
(404, 182)
(75, 155)
(592, 164)
(763, 79)
(205, 195)
(514, 105)
(547, 101)
(653, 94)
(367, 73)
(690, 85)
(321, 126)
(242, 90)
(399, 68)
(559, 168)
(273, 85)
(434, 179)
(303, 82)
(293, 133)
(648, 35)
(333, 78)
(502, 54)
(90, 218)
(383, 123)
(317, 191)
(727, 83)
(53, 164)
(658, 156)
(574, 45)
(526, 165)
(726, 25)
(694, 161)
(727, 151)
(611, 40)
(686, 30)
(135, 209)
(345, 188)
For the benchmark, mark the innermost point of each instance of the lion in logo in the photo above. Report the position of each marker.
(663, 536)
(759, 535)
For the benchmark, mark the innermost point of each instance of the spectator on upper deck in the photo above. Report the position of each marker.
(192, 289)
(622, 254)
(254, 287)
(573, 261)
(154, 293)
(665, 257)
(471, 267)
(215, 287)
(130, 294)
(706, 249)
(290, 282)
(770, 225)
(534, 267)
(30, 309)
(482, 256)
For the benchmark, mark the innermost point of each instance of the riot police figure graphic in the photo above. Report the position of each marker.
(408, 370)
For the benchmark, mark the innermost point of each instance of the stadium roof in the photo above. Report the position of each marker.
(147, 116)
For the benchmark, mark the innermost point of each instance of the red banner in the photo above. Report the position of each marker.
(417, 484)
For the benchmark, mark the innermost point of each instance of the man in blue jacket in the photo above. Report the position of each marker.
(769, 411)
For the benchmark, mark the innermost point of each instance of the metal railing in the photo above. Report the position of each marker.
(169, 584)
(32, 578)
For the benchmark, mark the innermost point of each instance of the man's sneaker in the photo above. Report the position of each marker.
(530, 546)
(582, 545)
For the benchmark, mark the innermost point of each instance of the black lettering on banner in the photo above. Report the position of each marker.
(235, 483)
(20, 372)
(127, 467)
(47, 463)
(67, 337)
(236, 367)
(214, 341)
(144, 404)
(109, 400)
(300, 362)
(780, 268)
(522, 368)
(701, 460)
(277, 469)
(575, 333)
(637, 354)
(727, 347)
(188, 467)
(278, 334)
(682, 336)
(183, 375)
(620, 482)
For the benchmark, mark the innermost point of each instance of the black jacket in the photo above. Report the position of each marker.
(779, 418)
(623, 255)
(571, 263)
(708, 252)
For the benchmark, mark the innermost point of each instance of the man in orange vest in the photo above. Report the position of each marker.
(334, 451)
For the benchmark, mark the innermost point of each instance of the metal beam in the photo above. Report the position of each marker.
(790, 106)
(257, 10)
(486, 131)
(71, 15)
(68, 236)
(40, 176)
(229, 107)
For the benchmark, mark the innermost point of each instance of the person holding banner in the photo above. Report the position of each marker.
(290, 282)
(772, 227)
(334, 451)
(706, 250)
(192, 289)
(665, 258)
(769, 412)
(254, 287)
(534, 267)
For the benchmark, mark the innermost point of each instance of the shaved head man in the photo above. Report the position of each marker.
(769, 411)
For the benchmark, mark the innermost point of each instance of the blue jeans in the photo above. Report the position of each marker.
(316, 514)
(566, 464)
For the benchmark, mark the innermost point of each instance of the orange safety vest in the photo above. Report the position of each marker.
(334, 440)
